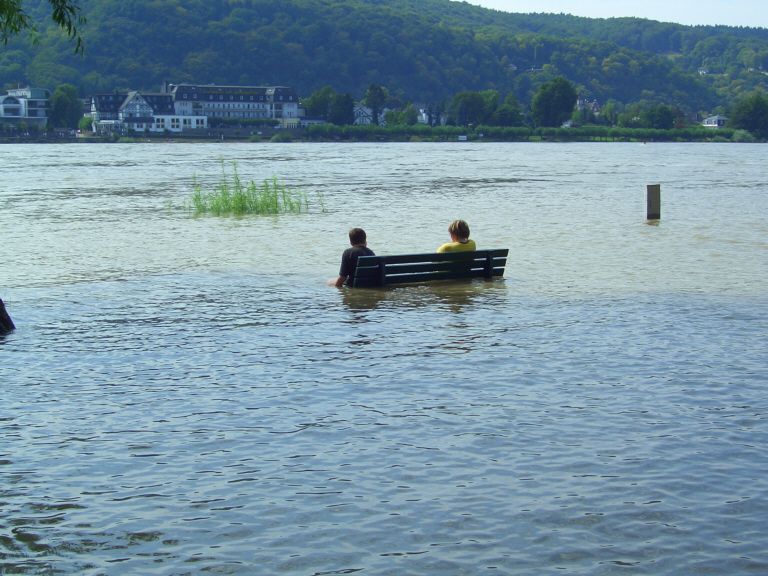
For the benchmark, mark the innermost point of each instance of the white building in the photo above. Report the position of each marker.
(122, 112)
(715, 121)
(28, 105)
(236, 102)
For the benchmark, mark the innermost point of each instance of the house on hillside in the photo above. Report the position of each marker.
(124, 112)
(24, 105)
(715, 121)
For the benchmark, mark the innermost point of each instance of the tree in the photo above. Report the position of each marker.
(751, 113)
(66, 108)
(659, 116)
(319, 104)
(65, 13)
(375, 98)
(326, 104)
(85, 124)
(342, 110)
(553, 103)
(408, 116)
(467, 108)
(509, 113)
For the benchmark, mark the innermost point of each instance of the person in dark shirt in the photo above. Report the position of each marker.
(359, 242)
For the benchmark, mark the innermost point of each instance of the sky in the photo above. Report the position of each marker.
(729, 13)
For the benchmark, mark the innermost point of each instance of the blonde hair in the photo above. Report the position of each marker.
(460, 229)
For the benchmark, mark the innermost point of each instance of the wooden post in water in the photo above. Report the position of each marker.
(653, 210)
(6, 324)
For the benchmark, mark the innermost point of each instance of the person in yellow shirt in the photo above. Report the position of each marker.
(460, 242)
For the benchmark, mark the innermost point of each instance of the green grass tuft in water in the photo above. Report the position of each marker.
(231, 196)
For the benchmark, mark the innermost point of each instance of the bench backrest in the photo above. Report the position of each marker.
(408, 268)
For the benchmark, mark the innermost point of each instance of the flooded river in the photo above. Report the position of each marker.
(187, 395)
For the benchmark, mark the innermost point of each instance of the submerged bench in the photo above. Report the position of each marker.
(375, 271)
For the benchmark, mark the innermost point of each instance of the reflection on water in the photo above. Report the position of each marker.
(453, 296)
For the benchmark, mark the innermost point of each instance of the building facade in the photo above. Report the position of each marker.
(24, 105)
(183, 107)
(236, 102)
(716, 121)
(131, 112)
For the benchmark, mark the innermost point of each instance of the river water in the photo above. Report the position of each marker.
(187, 395)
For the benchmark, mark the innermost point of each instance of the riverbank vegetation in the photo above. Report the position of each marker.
(232, 196)
(422, 133)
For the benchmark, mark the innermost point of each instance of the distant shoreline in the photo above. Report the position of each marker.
(419, 133)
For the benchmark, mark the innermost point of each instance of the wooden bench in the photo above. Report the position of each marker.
(375, 271)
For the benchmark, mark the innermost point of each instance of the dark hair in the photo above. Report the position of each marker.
(357, 236)
(460, 229)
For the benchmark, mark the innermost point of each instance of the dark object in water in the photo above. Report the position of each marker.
(6, 324)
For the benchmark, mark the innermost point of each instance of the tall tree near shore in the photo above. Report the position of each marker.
(553, 103)
(65, 13)
(66, 108)
(467, 108)
(751, 113)
(375, 98)
(342, 110)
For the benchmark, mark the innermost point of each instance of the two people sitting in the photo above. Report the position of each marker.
(460, 242)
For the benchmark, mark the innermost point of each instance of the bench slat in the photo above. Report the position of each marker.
(371, 271)
(433, 257)
(430, 276)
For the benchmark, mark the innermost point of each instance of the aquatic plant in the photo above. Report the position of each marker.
(231, 196)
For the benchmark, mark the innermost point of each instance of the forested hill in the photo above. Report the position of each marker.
(422, 50)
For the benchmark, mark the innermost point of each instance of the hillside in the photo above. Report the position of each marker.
(422, 50)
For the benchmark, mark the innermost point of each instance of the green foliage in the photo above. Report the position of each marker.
(326, 104)
(467, 108)
(508, 114)
(318, 104)
(279, 137)
(66, 107)
(231, 196)
(85, 124)
(751, 113)
(66, 14)
(375, 98)
(553, 103)
(590, 133)
(372, 133)
(424, 51)
(342, 110)
(408, 116)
